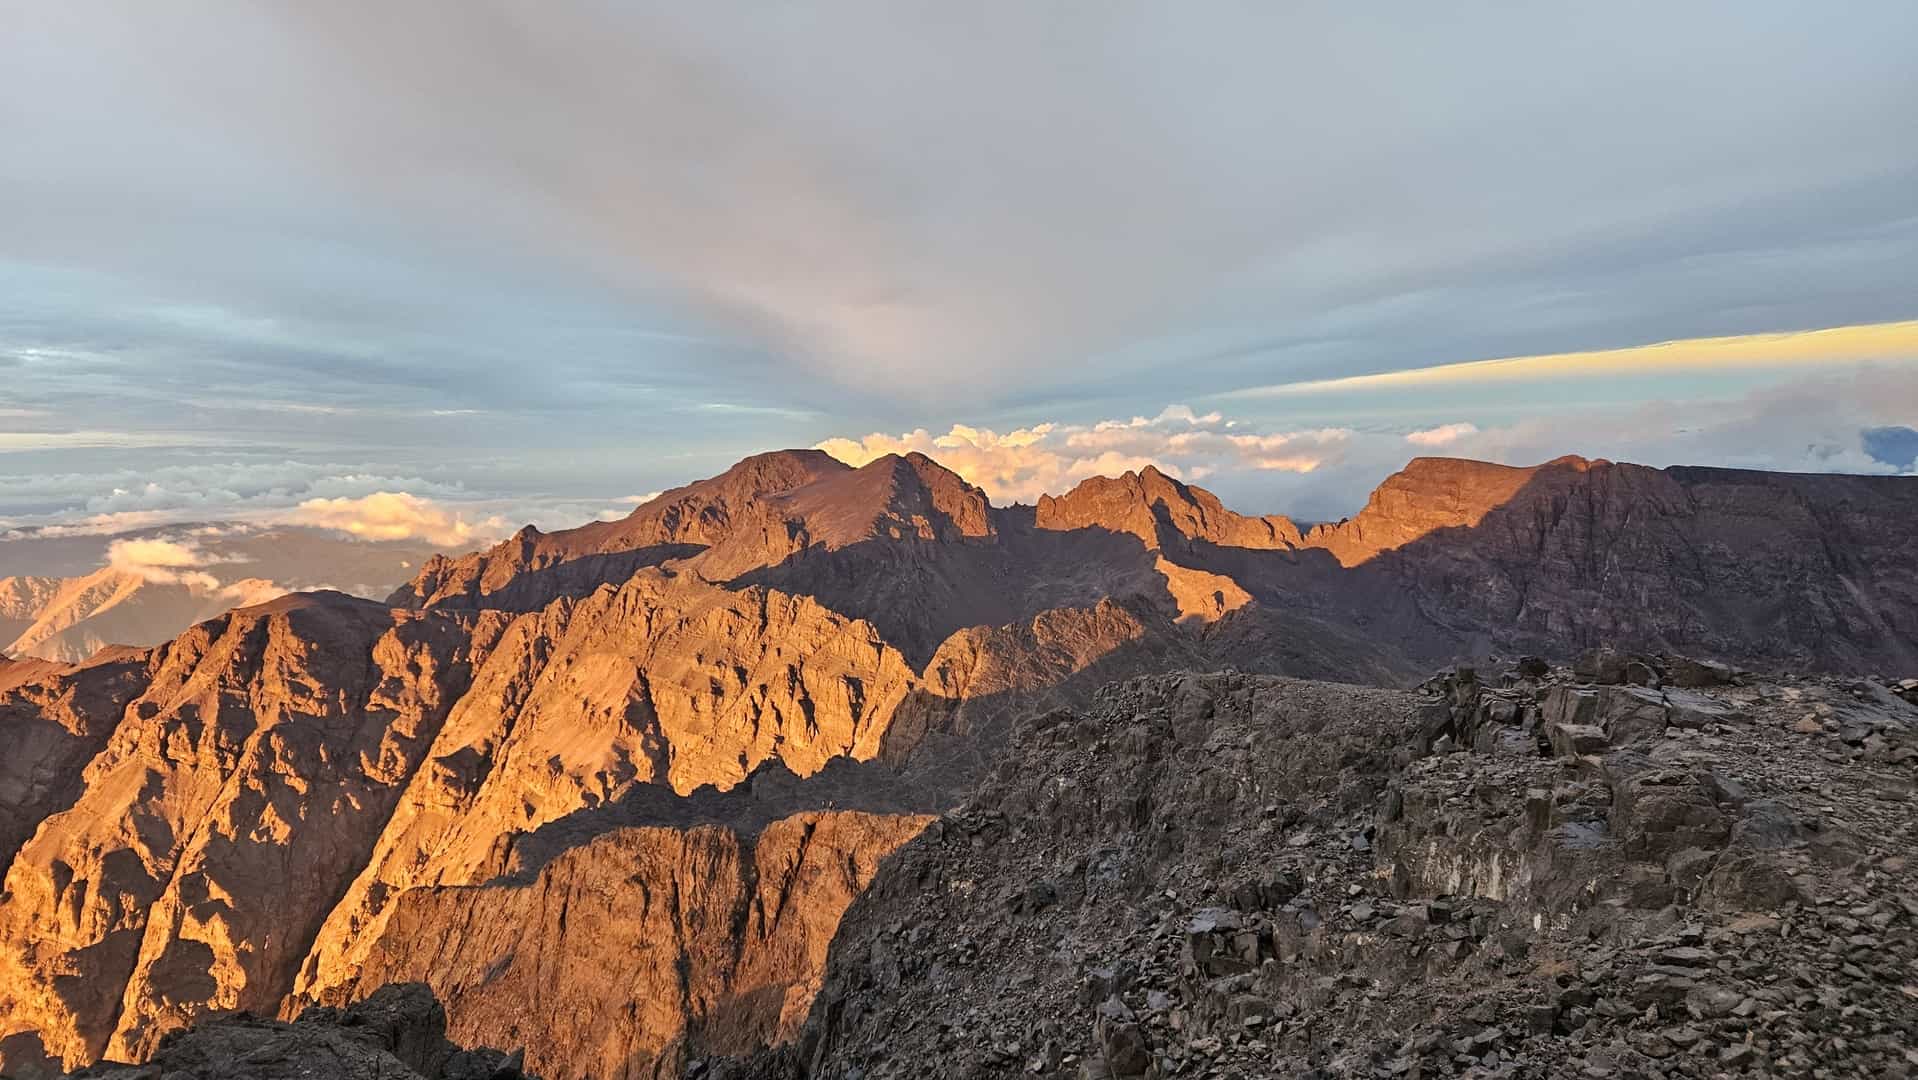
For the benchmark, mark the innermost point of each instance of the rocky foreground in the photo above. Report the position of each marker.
(1521, 875)
(398, 1033)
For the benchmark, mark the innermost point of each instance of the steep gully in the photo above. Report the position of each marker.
(713, 718)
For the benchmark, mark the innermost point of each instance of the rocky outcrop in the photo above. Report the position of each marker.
(533, 568)
(55, 718)
(624, 954)
(1813, 572)
(243, 814)
(262, 755)
(1428, 495)
(1237, 875)
(1163, 513)
(757, 514)
(664, 681)
(398, 1033)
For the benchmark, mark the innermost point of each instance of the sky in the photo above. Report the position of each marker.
(443, 268)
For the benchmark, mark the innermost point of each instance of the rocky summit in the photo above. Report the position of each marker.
(821, 771)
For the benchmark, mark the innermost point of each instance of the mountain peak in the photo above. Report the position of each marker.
(1161, 510)
(894, 495)
(1433, 493)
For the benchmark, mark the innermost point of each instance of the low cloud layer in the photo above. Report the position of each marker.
(1021, 465)
(395, 515)
(162, 561)
(167, 562)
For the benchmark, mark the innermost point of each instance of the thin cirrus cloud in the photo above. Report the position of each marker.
(1883, 343)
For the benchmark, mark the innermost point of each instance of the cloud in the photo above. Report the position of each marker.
(1050, 458)
(696, 205)
(1895, 343)
(162, 561)
(395, 515)
(1443, 435)
(627, 504)
(16, 441)
(1813, 424)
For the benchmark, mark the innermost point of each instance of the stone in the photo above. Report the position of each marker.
(1693, 673)
(1631, 715)
(1602, 666)
(397, 1034)
(1574, 740)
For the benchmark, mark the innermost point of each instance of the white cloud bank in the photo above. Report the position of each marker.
(162, 561)
(395, 515)
(1048, 458)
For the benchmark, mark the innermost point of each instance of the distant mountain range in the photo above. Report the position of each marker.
(142, 587)
(608, 790)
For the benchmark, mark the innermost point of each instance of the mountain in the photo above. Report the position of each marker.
(608, 791)
(1460, 557)
(202, 570)
(1779, 569)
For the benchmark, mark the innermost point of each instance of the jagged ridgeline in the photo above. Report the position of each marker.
(608, 792)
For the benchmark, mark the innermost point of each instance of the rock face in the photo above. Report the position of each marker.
(608, 791)
(194, 865)
(697, 940)
(1239, 875)
(1429, 495)
(56, 718)
(658, 683)
(1770, 568)
(1163, 513)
